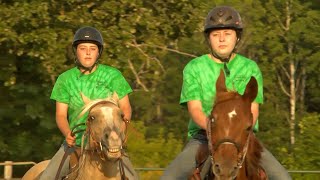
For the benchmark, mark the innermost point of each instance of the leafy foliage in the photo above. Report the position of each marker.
(150, 42)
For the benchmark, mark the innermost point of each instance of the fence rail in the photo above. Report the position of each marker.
(8, 169)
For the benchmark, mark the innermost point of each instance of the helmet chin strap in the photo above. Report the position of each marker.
(224, 60)
(82, 67)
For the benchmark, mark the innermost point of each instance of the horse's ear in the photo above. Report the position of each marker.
(221, 83)
(85, 99)
(115, 97)
(251, 90)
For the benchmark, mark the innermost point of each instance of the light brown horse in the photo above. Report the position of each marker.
(35, 171)
(105, 135)
(233, 149)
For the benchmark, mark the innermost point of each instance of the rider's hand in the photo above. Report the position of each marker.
(71, 140)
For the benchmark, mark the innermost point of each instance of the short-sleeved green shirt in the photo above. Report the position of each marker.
(199, 82)
(97, 85)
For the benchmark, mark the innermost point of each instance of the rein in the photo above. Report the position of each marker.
(69, 149)
(212, 149)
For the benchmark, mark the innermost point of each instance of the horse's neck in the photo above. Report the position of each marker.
(242, 174)
(252, 162)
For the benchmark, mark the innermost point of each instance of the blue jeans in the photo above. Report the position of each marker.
(273, 168)
(181, 167)
(50, 172)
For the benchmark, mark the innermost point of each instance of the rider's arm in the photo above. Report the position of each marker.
(196, 113)
(62, 122)
(198, 116)
(125, 107)
(255, 111)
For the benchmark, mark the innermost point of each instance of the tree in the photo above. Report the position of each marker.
(150, 42)
(287, 45)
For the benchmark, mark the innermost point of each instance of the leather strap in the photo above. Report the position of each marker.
(67, 152)
(122, 173)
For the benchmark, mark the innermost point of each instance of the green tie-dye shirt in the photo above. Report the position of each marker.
(200, 76)
(97, 85)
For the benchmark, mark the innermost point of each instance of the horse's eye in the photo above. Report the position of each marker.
(249, 128)
(91, 118)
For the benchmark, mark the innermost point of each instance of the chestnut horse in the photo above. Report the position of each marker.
(233, 149)
(101, 153)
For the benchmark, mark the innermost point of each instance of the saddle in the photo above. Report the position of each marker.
(74, 159)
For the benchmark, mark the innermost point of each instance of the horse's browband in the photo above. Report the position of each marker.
(103, 102)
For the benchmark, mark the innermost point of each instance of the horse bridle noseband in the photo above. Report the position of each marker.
(241, 154)
(98, 145)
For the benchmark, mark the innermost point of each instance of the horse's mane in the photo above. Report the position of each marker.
(253, 157)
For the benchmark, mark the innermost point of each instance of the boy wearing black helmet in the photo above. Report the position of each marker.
(222, 30)
(93, 80)
(87, 35)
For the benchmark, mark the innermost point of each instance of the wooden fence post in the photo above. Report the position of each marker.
(8, 170)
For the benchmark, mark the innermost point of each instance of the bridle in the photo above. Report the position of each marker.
(212, 148)
(99, 146)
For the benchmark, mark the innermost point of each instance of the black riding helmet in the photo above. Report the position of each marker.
(87, 35)
(223, 17)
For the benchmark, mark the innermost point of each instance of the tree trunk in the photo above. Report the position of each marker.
(292, 101)
(302, 91)
(292, 71)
